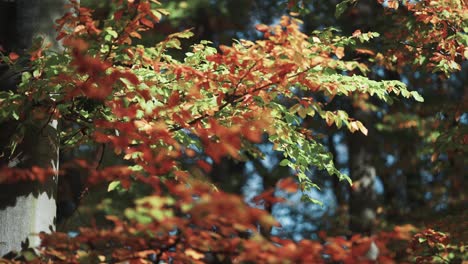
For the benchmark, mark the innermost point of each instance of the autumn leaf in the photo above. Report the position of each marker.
(13, 56)
(288, 185)
(262, 28)
(339, 52)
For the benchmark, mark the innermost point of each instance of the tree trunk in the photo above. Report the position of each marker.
(27, 208)
(228, 175)
(363, 196)
(341, 191)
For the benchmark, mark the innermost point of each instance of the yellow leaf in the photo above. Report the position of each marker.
(362, 127)
(339, 52)
(194, 254)
(353, 126)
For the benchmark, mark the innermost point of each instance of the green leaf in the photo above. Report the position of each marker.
(112, 33)
(183, 34)
(307, 198)
(36, 73)
(285, 162)
(25, 77)
(113, 185)
(29, 254)
(341, 7)
(173, 43)
(15, 115)
(417, 96)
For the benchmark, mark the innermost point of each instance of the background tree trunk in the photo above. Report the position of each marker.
(363, 196)
(27, 208)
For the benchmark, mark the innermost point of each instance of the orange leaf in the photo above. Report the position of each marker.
(339, 52)
(365, 51)
(262, 27)
(147, 22)
(288, 185)
(13, 56)
(357, 33)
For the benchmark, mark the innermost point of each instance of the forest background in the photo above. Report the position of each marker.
(407, 159)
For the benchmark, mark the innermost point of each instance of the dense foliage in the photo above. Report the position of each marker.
(167, 120)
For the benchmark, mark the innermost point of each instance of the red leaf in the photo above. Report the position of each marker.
(13, 56)
(204, 165)
(147, 22)
(288, 185)
(174, 99)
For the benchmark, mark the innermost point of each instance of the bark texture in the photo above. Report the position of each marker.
(27, 208)
(363, 198)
